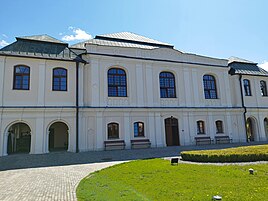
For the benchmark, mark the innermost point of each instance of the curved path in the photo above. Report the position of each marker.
(55, 176)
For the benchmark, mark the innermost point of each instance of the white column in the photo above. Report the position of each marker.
(195, 86)
(152, 130)
(2, 81)
(127, 131)
(149, 85)
(184, 130)
(210, 127)
(158, 130)
(227, 90)
(261, 130)
(100, 132)
(187, 88)
(41, 84)
(95, 85)
(229, 125)
(37, 135)
(140, 87)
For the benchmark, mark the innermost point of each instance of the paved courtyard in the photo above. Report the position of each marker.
(55, 176)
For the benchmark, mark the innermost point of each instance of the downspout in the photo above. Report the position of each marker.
(243, 105)
(77, 107)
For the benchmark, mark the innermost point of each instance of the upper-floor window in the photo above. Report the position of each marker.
(59, 79)
(167, 85)
(138, 129)
(21, 78)
(113, 131)
(247, 89)
(210, 89)
(117, 82)
(219, 126)
(263, 88)
(200, 127)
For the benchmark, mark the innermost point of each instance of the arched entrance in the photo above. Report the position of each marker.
(19, 138)
(172, 132)
(250, 129)
(266, 127)
(58, 137)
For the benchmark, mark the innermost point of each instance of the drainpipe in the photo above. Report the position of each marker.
(243, 105)
(77, 107)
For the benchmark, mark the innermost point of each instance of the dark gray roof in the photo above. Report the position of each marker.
(246, 69)
(29, 47)
(123, 39)
(43, 38)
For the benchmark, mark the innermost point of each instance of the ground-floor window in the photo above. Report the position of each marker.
(219, 126)
(138, 129)
(200, 127)
(113, 131)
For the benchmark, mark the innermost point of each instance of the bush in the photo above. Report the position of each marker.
(239, 154)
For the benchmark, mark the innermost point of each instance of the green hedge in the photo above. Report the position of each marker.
(239, 154)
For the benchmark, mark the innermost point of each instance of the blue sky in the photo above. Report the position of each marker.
(221, 28)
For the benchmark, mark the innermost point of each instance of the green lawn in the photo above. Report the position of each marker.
(157, 180)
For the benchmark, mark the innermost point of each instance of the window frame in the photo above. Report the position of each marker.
(201, 129)
(139, 134)
(263, 87)
(167, 88)
(221, 130)
(21, 75)
(110, 137)
(60, 77)
(116, 86)
(208, 85)
(247, 87)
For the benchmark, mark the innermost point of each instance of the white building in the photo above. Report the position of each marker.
(124, 89)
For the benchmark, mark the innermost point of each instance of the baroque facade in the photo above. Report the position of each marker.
(120, 89)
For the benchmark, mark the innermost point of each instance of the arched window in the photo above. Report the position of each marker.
(247, 89)
(113, 131)
(138, 129)
(263, 88)
(219, 126)
(21, 78)
(210, 89)
(266, 127)
(117, 83)
(167, 85)
(200, 127)
(59, 79)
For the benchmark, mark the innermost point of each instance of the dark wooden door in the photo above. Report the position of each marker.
(172, 132)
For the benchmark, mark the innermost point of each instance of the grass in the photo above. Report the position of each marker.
(238, 154)
(156, 179)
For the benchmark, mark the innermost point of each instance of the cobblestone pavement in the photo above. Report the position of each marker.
(55, 176)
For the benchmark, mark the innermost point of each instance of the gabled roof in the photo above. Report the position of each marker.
(42, 38)
(124, 39)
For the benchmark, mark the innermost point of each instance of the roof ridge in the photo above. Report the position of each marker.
(42, 37)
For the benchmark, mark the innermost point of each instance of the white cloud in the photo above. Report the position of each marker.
(79, 34)
(264, 65)
(3, 43)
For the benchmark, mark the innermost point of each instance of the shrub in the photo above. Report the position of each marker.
(238, 154)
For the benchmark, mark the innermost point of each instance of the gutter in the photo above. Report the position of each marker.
(243, 105)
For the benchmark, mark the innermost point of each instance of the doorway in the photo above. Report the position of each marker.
(172, 132)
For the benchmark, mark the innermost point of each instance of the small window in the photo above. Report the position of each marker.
(59, 79)
(138, 129)
(210, 89)
(113, 131)
(219, 127)
(167, 85)
(21, 78)
(263, 88)
(247, 89)
(117, 83)
(200, 127)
